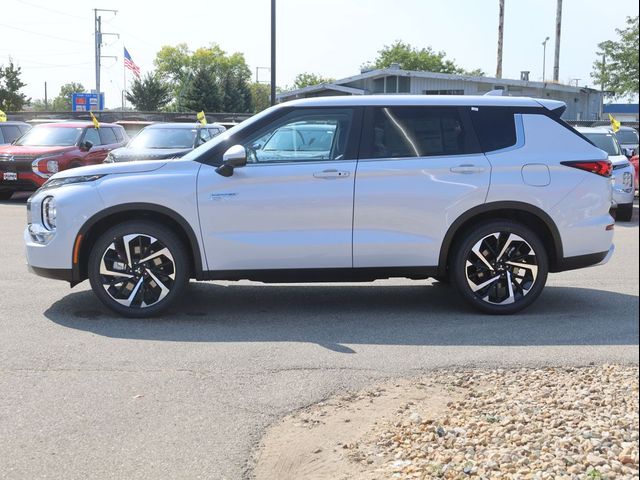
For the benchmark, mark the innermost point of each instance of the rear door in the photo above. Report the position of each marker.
(419, 169)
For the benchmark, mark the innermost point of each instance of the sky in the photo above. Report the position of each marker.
(53, 41)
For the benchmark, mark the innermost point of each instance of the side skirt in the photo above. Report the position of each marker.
(323, 274)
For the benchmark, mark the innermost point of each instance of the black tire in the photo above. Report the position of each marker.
(528, 252)
(149, 281)
(6, 194)
(624, 212)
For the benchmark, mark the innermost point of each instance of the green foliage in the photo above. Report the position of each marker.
(62, 103)
(260, 96)
(620, 75)
(411, 58)
(10, 84)
(206, 79)
(308, 79)
(149, 94)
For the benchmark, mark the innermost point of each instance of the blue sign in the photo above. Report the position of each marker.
(83, 102)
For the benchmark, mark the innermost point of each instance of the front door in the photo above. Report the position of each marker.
(291, 206)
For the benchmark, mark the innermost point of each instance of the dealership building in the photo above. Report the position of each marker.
(583, 103)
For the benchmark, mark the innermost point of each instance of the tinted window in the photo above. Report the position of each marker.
(418, 132)
(310, 135)
(92, 136)
(495, 127)
(10, 132)
(107, 137)
(605, 141)
(627, 136)
(119, 131)
(1, 137)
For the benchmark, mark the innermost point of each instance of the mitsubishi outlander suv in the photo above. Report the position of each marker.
(489, 193)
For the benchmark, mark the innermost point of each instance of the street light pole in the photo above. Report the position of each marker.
(544, 58)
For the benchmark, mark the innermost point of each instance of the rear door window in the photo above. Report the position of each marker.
(107, 137)
(404, 132)
(495, 127)
(91, 135)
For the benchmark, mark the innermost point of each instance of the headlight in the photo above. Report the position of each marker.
(59, 182)
(45, 166)
(49, 213)
(627, 179)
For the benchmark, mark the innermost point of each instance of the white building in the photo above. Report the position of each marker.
(583, 103)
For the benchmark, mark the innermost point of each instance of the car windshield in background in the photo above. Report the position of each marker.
(164, 138)
(627, 137)
(605, 141)
(50, 137)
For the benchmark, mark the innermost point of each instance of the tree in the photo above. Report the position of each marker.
(260, 96)
(308, 79)
(411, 58)
(620, 73)
(10, 84)
(62, 102)
(149, 94)
(226, 77)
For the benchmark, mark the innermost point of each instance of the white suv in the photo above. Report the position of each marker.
(491, 193)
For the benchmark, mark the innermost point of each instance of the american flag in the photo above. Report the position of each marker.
(130, 64)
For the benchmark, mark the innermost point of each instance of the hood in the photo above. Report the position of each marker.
(35, 151)
(618, 159)
(112, 168)
(128, 154)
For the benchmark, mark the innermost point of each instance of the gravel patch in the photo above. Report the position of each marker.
(547, 423)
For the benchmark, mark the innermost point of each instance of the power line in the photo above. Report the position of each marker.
(41, 34)
(51, 10)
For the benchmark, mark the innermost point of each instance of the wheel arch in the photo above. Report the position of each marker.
(105, 219)
(525, 213)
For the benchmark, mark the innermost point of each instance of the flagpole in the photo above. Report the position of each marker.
(124, 89)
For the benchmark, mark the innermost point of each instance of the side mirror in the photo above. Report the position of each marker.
(86, 146)
(234, 157)
(629, 152)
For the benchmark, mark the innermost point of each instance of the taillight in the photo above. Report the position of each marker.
(599, 167)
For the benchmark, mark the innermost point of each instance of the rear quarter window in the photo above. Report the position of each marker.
(107, 137)
(495, 127)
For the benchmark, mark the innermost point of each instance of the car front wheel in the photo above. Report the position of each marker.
(138, 269)
(500, 267)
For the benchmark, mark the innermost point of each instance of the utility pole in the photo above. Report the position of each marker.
(544, 58)
(602, 73)
(556, 59)
(273, 52)
(97, 25)
(46, 100)
(500, 39)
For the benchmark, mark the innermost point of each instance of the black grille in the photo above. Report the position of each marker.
(15, 166)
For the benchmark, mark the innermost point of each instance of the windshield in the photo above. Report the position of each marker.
(627, 137)
(164, 138)
(605, 141)
(50, 137)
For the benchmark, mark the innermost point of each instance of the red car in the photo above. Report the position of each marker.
(51, 147)
(634, 162)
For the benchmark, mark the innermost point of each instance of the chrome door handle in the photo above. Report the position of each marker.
(331, 174)
(467, 168)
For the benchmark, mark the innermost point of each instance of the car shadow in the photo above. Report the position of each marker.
(338, 315)
(18, 198)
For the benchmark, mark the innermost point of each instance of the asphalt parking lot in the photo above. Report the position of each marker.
(84, 394)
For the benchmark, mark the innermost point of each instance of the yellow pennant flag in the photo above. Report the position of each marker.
(95, 121)
(615, 124)
(201, 118)
(3, 116)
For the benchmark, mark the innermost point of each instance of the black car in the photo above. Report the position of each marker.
(9, 131)
(165, 140)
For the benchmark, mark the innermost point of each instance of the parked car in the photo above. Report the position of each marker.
(132, 127)
(11, 130)
(634, 161)
(623, 173)
(165, 140)
(491, 192)
(50, 148)
(628, 140)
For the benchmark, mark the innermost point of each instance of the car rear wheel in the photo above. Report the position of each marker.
(6, 194)
(138, 269)
(500, 267)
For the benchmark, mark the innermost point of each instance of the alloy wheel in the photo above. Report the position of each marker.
(137, 270)
(501, 268)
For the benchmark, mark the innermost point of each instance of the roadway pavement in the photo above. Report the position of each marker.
(84, 394)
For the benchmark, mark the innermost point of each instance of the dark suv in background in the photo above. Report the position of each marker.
(49, 148)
